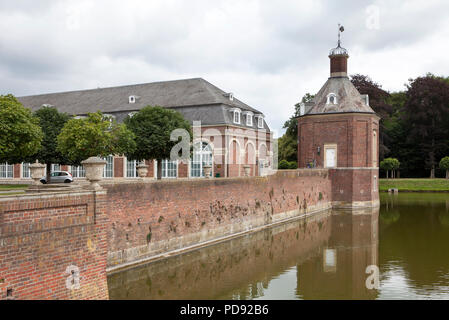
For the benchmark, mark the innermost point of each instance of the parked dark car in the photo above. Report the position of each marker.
(59, 177)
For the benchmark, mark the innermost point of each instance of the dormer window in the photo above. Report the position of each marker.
(332, 98)
(249, 118)
(237, 113)
(109, 117)
(230, 96)
(260, 121)
(132, 99)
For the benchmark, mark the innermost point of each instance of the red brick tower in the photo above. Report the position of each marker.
(338, 130)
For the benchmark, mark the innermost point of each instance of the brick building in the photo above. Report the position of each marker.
(231, 133)
(339, 130)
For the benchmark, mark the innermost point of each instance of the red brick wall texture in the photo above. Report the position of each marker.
(43, 239)
(151, 218)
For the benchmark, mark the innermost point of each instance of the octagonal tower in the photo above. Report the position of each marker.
(338, 130)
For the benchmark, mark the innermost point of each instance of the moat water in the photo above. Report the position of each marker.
(331, 255)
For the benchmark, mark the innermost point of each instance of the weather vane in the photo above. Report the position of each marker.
(340, 30)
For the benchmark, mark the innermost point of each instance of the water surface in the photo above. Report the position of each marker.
(320, 257)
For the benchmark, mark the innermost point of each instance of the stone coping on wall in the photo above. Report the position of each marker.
(50, 194)
(283, 173)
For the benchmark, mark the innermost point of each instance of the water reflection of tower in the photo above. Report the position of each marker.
(340, 271)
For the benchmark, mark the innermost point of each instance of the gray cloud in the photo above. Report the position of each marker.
(268, 53)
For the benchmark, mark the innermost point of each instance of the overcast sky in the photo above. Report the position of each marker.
(268, 53)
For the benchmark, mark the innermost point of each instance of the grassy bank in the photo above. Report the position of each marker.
(415, 184)
(6, 187)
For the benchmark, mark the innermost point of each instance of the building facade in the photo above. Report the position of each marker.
(228, 134)
(338, 130)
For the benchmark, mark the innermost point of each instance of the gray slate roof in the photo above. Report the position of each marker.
(188, 96)
(348, 98)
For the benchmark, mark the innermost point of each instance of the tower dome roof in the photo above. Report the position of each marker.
(338, 51)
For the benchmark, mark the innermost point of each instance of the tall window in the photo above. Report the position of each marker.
(131, 168)
(169, 169)
(202, 156)
(108, 171)
(237, 116)
(6, 170)
(260, 122)
(374, 149)
(249, 119)
(55, 167)
(78, 172)
(26, 170)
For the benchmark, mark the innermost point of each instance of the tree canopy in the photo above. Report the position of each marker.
(20, 134)
(96, 135)
(427, 110)
(152, 127)
(288, 143)
(444, 165)
(378, 101)
(51, 123)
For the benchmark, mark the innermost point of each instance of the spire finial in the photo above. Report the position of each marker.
(340, 30)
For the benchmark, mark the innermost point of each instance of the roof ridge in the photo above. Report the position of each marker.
(112, 87)
(226, 100)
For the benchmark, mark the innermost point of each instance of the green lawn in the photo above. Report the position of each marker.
(414, 184)
(5, 187)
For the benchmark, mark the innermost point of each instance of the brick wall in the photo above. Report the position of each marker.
(155, 217)
(231, 264)
(353, 134)
(43, 238)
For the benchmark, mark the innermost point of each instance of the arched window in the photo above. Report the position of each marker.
(332, 98)
(202, 156)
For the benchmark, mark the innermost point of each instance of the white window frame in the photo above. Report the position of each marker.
(260, 122)
(108, 170)
(237, 116)
(204, 156)
(134, 175)
(132, 99)
(6, 171)
(167, 167)
(26, 172)
(249, 118)
(78, 171)
(334, 96)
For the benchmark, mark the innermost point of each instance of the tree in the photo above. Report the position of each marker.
(284, 164)
(444, 165)
(51, 123)
(427, 110)
(95, 136)
(389, 164)
(395, 166)
(288, 143)
(379, 102)
(20, 134)
(152, 127)
(287, 148)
